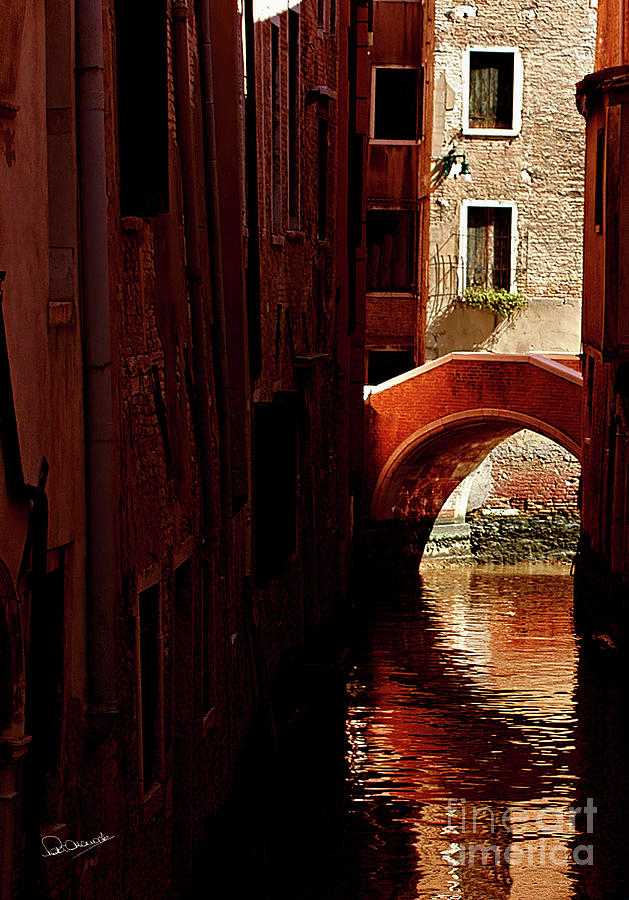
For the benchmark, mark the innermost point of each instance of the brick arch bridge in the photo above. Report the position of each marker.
(429, 428)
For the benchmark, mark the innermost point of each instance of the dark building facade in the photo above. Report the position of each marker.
(602, 573)
(397, 186)
(180, 375)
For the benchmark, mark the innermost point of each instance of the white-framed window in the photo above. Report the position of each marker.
(488, 244)
(396, 104)
(493, 78)
(391, 256)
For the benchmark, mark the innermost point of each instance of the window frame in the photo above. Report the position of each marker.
(151, 581)
(402, 142)
(518, 86)
(414, 263)
(513, 255)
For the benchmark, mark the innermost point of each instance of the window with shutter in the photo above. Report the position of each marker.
(491, 90)
(489, 247)
(492, 99)
(488, 244)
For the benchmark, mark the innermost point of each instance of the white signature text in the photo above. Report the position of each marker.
(53, 845)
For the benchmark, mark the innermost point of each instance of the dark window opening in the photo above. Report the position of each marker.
(6, 674)
(322, 198)
(293, 117)
(397, 105)
(385, 364)
(489, 247)
(589, 393)
(608, 521)
(142, 94)
(208, 636)
(149, 682)
(179, 702)
(320, 13)
(332, 16)
(491, 90)
(275, 470)
(46, 656)
(276, 134)
(600, 168)
(390, 250)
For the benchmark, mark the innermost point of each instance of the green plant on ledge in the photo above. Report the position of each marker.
(496, 300)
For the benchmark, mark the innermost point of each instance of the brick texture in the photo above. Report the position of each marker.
(435, 405)
(541, 170)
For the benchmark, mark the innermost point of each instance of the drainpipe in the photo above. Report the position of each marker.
(194, 272)
(99, 447)
(216, 258)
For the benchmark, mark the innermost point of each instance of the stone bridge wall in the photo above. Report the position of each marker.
(438, 422)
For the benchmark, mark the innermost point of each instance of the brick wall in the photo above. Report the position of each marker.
(541, 170)
(184, 400)
(525, 474)
(437, 403)
(305, 309)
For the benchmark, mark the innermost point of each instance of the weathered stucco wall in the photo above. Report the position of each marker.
(541, 170)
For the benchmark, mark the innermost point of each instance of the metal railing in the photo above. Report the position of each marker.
(449, 273)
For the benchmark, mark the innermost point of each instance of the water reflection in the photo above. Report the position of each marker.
(476, 730)
(463, 718)
(463, 729)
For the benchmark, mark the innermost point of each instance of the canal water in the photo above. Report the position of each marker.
(472, 749)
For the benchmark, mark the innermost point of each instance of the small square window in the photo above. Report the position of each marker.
(493, 92)
(390, 250)
(396, 105)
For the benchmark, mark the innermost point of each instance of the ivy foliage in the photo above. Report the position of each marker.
(496, 300)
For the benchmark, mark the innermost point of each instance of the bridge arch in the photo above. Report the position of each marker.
(467, 437)
(434, 425)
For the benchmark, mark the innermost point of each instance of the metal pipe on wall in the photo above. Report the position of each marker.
(99, 445)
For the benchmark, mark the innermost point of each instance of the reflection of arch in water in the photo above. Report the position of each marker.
(438, 456)
(11, 659)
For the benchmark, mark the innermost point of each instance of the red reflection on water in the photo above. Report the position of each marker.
(464, 718)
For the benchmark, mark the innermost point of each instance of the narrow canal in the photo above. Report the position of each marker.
(471, 753)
